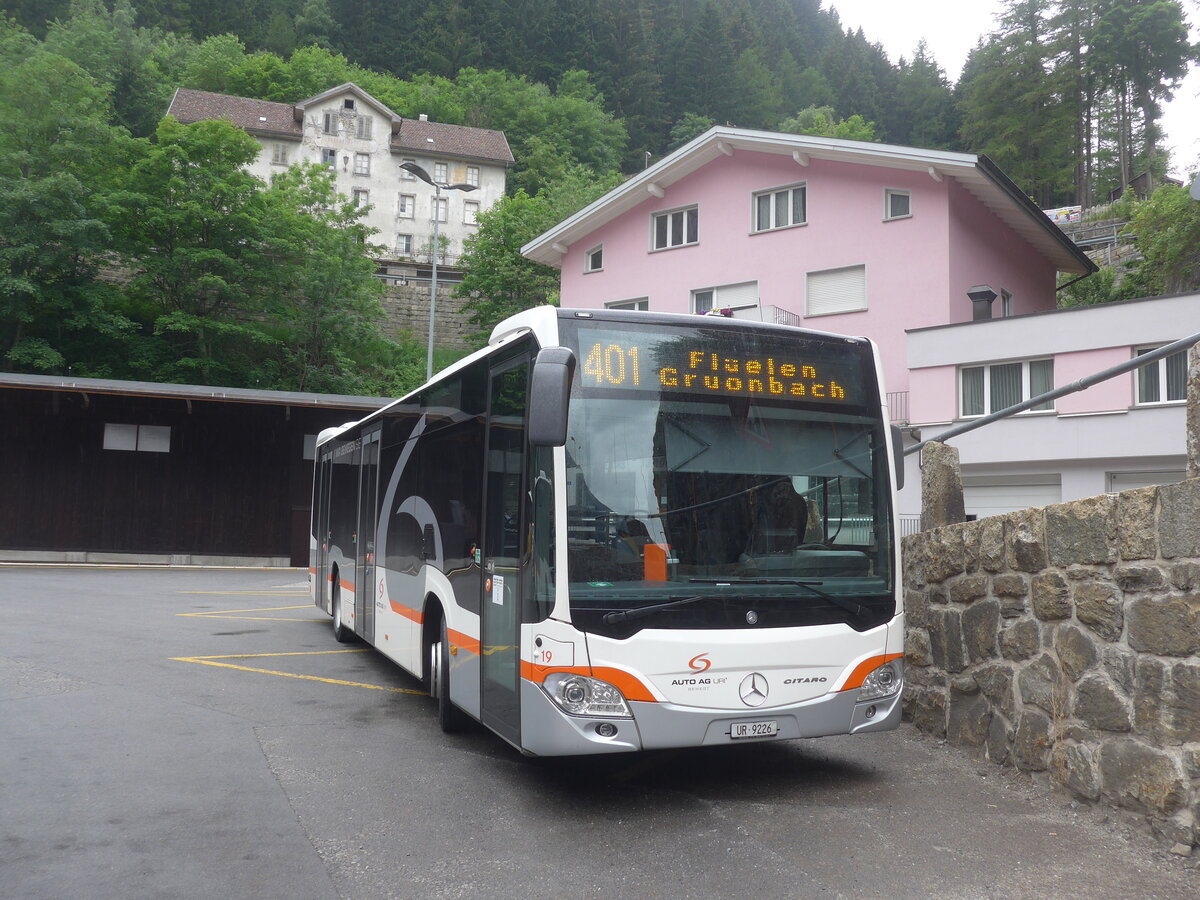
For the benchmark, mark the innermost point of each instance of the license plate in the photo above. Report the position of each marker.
(754, 729)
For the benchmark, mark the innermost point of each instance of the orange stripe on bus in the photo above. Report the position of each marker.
(465, 641)
(630, 686)
(407, 612)
(865, 668)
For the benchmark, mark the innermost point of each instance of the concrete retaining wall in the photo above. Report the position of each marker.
(1066, 640)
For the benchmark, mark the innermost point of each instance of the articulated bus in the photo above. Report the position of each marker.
(619, 531)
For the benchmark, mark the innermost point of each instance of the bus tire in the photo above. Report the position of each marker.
(450, 717)
(341, 633)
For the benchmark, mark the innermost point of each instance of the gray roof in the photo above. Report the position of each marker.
(267, 117)
(188, 392)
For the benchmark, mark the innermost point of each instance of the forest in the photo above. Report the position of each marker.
(1064, 95)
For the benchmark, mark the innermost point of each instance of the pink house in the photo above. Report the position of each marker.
(912, 248)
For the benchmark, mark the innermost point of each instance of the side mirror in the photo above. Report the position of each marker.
(898, 455)
(549, 396)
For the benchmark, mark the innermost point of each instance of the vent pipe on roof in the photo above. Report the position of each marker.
(981, 296)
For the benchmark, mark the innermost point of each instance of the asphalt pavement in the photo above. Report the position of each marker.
(197, 732)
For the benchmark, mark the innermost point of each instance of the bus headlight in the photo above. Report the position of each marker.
(882, 682)
(580, 695)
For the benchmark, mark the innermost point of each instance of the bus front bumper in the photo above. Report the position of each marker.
(548, 731)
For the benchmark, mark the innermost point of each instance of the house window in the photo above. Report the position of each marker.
(593, 260)
(471, 212)
(360, 196)
(405, 205)
(836, 291)
(473, 175)
(989, 389)
(440, 208)
(676, 228)
(404, 244)
(1006, 303)
(330, 125)
(363, 128)
(642, 304)
(348, 104)
(362, 163)
(279, 154)
(146, 438)
(441, 172)
(1162, 381)
(406, 175)
(329, 157)
(781, 208)
(896, 204)
(726, 296)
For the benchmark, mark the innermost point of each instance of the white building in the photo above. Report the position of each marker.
(365, 143)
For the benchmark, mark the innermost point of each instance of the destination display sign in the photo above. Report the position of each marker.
(709, 362)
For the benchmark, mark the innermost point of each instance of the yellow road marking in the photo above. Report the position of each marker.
(287, 593)
(237, 614)
(214, 661)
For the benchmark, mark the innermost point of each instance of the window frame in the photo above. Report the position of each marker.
(329, 157)
(1027, 391)
(773, 195)
(716, 290)
(637, 304)
(441, 172)
(279, 154)
(362, 164)
(888, 194)
(588, 257)
(1162, 377)
(410, 244)
(360, 197)
(439, 207)
(406, 175)
(809, 312)
(406, 210)
(667, 214)
(473, 175)
(329, 124)
(471, 212)
(363, 127)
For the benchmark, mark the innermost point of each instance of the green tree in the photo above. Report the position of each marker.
(823, 121)
(497, 279)
(689, 126)
(55, 154)
(1167, 227)
(191, 228)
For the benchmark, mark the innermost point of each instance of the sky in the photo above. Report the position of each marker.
(952, 27)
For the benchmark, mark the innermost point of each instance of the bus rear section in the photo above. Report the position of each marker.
(677, 531)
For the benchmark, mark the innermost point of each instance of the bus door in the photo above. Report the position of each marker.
(500, 628)
(368, 521)
(321, 532)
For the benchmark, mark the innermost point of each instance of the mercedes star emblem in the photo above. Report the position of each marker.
(753, 689)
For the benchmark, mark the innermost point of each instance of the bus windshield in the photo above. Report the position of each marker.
(725, 478)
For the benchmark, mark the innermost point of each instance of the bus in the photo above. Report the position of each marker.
(614, 531)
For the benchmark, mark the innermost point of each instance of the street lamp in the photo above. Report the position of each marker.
(437, 209)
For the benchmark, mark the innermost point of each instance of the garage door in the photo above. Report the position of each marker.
(1127, 481)
(992, 495)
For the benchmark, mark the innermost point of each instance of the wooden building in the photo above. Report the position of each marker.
(122, 471)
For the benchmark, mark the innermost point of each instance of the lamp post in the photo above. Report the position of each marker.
(438, 187)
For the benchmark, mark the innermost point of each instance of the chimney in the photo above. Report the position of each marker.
(981, 296)
(423, 117)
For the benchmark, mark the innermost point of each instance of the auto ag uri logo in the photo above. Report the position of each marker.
(700, 662)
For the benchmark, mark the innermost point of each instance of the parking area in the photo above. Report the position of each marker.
(198, 732)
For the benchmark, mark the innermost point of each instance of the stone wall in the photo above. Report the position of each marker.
(1066, 640)
(406, 308)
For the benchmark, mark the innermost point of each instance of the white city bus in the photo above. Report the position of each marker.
(619, 531)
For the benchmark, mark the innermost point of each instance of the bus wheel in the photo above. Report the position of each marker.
(450, 717)
(341, 633)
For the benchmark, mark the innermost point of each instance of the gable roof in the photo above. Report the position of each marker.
(285, 120)
(977, 174)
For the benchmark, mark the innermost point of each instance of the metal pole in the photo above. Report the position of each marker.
(1136, 363)
(437, 215)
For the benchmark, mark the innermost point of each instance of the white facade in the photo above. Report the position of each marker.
(364, 143)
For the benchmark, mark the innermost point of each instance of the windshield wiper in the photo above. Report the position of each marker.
(855, 609)
(624, 615)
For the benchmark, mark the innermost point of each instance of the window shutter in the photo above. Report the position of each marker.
(737, 296)
(837, 291)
